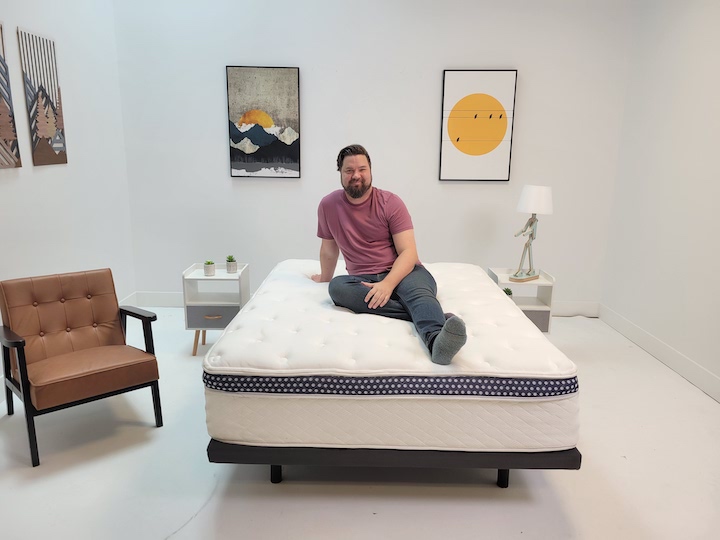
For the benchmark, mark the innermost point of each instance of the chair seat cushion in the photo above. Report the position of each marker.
(88, 373)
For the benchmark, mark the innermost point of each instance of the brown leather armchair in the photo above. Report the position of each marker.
(63, 344)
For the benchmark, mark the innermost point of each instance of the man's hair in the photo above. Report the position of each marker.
(352, 150)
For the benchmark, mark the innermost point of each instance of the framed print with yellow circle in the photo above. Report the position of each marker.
(477, 123)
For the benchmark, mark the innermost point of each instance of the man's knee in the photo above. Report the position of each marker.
(337, 289)
(418, 285)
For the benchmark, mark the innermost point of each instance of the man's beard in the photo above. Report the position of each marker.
(356, 191)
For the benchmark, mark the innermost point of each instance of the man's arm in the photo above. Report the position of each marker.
(329, 253)
(380, 292)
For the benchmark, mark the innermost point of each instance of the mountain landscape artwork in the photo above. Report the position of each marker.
(9, 150)
(264, 121)
(43, 100)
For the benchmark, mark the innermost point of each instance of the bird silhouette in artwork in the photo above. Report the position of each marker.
(491, 116)
(476, 116)
(501, 116)
(457, 140)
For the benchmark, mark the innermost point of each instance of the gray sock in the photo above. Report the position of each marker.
(449, 341)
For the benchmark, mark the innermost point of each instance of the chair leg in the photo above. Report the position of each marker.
(9, 401)
(156, 403)
(32, 437)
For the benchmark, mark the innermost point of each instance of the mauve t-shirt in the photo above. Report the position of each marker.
(363, 232)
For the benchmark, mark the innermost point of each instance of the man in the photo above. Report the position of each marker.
(374, 231)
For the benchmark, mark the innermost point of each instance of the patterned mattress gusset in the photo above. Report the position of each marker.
(497, 387)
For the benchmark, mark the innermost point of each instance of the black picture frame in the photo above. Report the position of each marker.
(264, 121)
(478, 113)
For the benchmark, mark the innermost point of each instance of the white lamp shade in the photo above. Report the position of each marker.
(536, 200)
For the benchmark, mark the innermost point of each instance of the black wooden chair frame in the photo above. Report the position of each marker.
(10, 340)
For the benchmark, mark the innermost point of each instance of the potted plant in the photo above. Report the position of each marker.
(231, 265)
(508, 291)
(209, 268)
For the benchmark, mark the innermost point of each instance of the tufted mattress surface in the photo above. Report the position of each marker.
(292, 369)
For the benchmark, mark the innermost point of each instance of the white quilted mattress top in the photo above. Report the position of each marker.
(291, 327)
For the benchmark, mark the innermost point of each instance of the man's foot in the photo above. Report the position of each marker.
(449, 341)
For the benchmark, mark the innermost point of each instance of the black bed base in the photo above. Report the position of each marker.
(276, 457)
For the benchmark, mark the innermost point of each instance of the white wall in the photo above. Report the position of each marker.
(372, 74)
(62, 218)
(661, 273)
(616, 110)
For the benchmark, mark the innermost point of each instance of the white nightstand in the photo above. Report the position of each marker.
(212, 301)
(538, 308)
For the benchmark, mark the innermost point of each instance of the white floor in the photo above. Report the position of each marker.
(650, 443)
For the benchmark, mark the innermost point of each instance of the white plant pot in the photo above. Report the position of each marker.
(232, 267)
(209, 269)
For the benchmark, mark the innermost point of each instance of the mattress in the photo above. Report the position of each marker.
(294, 370)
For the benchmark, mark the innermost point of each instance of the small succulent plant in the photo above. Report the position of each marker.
(230, 258)
(209, 262)
(508, 291)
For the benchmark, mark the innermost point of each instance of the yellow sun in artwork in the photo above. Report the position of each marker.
(256, 116)
(477, 124)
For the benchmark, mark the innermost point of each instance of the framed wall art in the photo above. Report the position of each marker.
(9, 150)
(264, 121)
(43, 99)
(477, 122)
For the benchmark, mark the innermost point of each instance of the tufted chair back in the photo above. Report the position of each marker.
(62, 313)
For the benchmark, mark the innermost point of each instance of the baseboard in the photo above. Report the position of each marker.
(705, 380)
(575, 309)
(155, 299)
(130, 300)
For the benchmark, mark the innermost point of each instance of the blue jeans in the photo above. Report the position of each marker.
(412, 300)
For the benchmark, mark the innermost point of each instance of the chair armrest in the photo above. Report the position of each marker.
(10, 339)
(138, 313)
(146, 317)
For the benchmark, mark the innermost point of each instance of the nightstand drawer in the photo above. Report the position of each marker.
(207, 317)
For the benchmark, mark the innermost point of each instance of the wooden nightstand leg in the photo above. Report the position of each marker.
(197, 336)
(203, 337)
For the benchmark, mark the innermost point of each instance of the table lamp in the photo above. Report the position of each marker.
(533, 200)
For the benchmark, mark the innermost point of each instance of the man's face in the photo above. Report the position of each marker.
(356, 176)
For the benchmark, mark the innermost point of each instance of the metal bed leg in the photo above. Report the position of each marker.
(276, 474)
(503, 478)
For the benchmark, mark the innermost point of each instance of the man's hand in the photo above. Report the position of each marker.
(317, 278)
(379, 294)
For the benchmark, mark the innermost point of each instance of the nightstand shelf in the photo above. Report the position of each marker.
(211, 302)
(538, 308)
